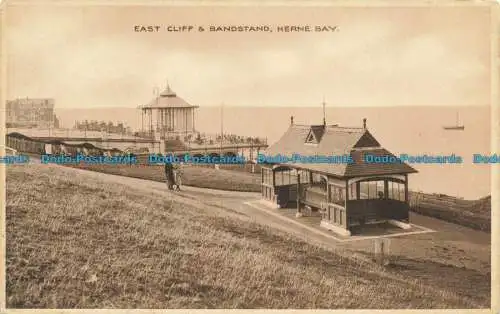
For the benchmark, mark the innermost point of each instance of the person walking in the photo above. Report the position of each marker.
(169, 176)
(178, 177)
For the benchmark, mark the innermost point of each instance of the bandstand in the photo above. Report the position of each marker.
(168, 117)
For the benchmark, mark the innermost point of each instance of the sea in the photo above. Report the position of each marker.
(414, 130)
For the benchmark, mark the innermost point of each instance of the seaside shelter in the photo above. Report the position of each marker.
(26, 144)
(348, 189)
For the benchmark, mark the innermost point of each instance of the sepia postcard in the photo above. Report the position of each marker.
(223, 155)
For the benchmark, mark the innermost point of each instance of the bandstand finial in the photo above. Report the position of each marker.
(168, 92)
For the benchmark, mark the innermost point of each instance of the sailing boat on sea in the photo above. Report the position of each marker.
(456, 127)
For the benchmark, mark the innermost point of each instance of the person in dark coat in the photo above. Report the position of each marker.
(169, 175)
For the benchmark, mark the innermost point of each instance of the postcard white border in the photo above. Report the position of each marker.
(495, 137)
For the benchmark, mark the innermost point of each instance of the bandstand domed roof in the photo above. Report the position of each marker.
(168, 99)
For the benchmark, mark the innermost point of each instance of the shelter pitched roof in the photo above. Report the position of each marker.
(333, 140)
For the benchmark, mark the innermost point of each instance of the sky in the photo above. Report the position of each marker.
(90, 56)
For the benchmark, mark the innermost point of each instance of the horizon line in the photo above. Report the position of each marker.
(286, 106)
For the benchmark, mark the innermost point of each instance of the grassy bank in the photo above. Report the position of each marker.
(203, 177)
(73, 241)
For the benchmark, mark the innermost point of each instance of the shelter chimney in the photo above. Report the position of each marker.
(291, 120)
(364, 123)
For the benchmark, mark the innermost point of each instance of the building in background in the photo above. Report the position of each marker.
(31, 112)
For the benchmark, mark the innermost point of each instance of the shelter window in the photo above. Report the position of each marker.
(316, 178)
(380, 190)
(304, 176)
(310, 138)
(279, 177)
(323, 184)
(284, 177)
(352, 191)
(337, 195)
(267, 176)
(396, 191)
(371, 190)
(363, 190)
(390, 190)
(293, 176)
(319, 181)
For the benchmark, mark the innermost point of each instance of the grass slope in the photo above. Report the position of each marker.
(73, 241)
(202, 177)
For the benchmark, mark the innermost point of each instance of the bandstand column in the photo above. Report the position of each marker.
(192, 110)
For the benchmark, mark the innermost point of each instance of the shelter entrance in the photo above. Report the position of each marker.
(279, 185)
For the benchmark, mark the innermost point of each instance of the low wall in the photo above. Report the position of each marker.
(235, 167)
